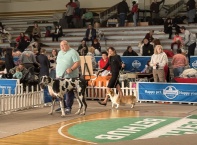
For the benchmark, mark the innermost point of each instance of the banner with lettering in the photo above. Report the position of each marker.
(170, 92)
(132, 63)
(193, 62)
(8, 86)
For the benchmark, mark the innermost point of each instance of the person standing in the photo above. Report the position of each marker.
(9, 61)
(189, 41)
(191, 10)
(52, 59)
(44, 63)
(158, 61)
(168, 27)
(68, 61)
(179, 61)
(134, 11)
(115, 64)
(154, 8)
(123, 9)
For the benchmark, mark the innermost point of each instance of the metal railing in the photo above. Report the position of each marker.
(103, 16)
(21, 100)
(175, 8)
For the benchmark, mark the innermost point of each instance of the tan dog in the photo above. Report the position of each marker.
(115, 99)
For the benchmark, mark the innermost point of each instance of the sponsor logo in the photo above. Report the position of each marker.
(194, 64)
(170, 92)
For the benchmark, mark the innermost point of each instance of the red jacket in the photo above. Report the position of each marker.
(18, 39)
(134, 8)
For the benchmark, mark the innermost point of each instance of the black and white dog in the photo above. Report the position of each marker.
(58, 87)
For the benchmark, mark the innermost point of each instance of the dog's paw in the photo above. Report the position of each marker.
(63, 115)
(50, 113)
(83, 113)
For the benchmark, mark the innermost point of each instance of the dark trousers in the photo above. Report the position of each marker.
(69, 99)
(178, 44)
(55, 37)
(191, 50)
(35, 37)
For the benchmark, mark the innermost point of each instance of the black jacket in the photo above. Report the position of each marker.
(147, 50)
(44, 65)
(123, 7)
(154, 7)
(127, 53)
(93, 33)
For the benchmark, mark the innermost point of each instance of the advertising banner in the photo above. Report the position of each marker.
(8, 86)
(173, 92)
(193, 62)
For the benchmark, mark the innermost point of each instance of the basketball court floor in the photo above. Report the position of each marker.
(147, 124)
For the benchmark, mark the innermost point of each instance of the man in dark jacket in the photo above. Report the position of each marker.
(90, 34)
(147, 49)
(154, 7)
(123, 9)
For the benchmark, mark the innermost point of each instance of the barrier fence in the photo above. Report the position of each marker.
(21, 99)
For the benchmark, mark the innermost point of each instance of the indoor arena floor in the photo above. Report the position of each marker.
(147, 124)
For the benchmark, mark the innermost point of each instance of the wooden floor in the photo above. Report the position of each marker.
(57, 134)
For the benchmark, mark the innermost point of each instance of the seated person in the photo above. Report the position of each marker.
(4, 34)
(90, 34)
(91, 53)
(148, 68)
(23, 41)
(102, 62)
(147, 49)
(18, 74)
(130, 52)
(149, 36)
(36, 33)
(177, 40)
(97, 47)
(58, 33)
(83, 48)
(87, 17)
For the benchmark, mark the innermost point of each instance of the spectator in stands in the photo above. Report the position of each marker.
(191, 10)
(28, 59)
(87, 17)
(189, 41)
(91, 51)
(90, 34)
(116, 64)
(156, 42)
(177, 40)
(129, 52)
(83, 48)
(35, 44)
(154, 8)
(18, 74)
(67, 69)
(77, 9)
(147, 48)
(23, 41)
(134, 11)
(168, 27)
(9, 62)
(97, 47)
(158, 61)
(58, 33)
(36, 33)
(44, 63)
(179, 61)
(52, 59)
(149, 36)
(4, 34)
(23, 70)
(70, 12)
(122, 9)
(102, 62)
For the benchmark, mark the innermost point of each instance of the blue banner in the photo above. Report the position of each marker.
(133, 63)
(193, 62)
(172, 92)
(8, 86)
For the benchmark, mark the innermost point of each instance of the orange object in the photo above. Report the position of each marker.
(100, 81)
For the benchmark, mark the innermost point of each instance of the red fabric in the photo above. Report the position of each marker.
(18, 39)
(186, 80)
(169, 53)
(102, 63)
(134, 8)
(166, 70)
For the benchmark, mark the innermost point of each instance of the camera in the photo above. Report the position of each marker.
(157, 65)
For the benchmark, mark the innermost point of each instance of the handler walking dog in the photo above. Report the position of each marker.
(58, 87)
